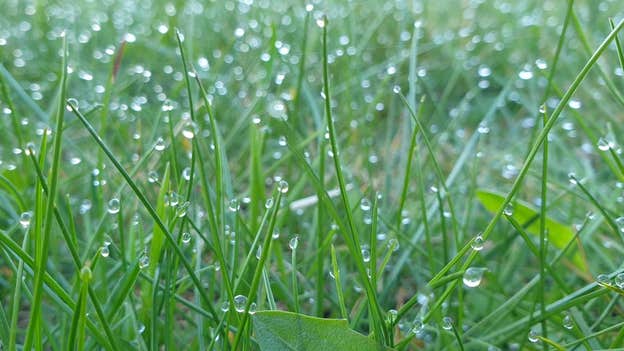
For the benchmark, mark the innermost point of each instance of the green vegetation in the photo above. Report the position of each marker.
(367, 175)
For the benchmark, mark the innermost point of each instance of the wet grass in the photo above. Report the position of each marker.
(166, 174)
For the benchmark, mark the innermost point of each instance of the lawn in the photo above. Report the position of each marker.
(332, 175)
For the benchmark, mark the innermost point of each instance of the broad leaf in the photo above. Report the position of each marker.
(285, 331)
(559, 235)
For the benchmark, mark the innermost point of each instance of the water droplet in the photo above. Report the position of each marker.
(186, 173)
(477, 243)
(143, 261)
(447, 323)
(294, 242)
(620, 223)
(268, 203)
(567, 321)
(240, 301)
(160, 144)
(365, 204)
(572, 178)
(152, 176)
(252, 308)
(113, 206)
(604, 144)
(186, 237)
(259, 252)
(473, 276)
(321, 22)
(275, 235)
(603, 279)
(225, 306)
(183, 209)
(172, 199)
(141, 328)
(234, 205)
(104, 251)
(392, 315)
(309, 7)
(533, 336)
(71, 102)
(366, 255)
(525, 75)
(508, 210)
(282, 186)
(396, 89)
(619, 280)
(393, 244)
(25, 219)
(418, 328)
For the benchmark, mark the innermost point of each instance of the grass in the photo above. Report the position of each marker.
(166, 175)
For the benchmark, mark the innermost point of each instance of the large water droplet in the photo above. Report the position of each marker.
(294, 242)
(603, 279)
(619, 280)
(365, 204)
(604, 144)
(567, 322)
(447, 323)
(25, 219)
(113, 206)
(186, 237)
(282, 186)
(160, 144)
(473, 276)
(240, 301)
(533, 336)
(477, 243)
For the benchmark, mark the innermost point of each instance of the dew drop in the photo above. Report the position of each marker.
(186, 173)
(268, 203)
(160, 144)
(183, 209)
(366, 255)
(25, 219)
(619, 280)
(225, 306)
(152, 176)
(282, 186)
(143, 261)
(572, 178)
(393, 244)
(252, 308)
(71, 102)
(113, 206)
(141, 328)
(604, 144)
(473, 276)
(447, 323)
(567, 322)
(418, 328)
(239, 303)
(603, 279)
(477, 243)
(392, 315)
(321, 22)
(508, 210)
(259, 252)
(294, 242)
(533, 336)
(620, 223)
(186, 237)
(396, 89)
(365, 204)
(104, 251)
(275, 235)
(234, 205)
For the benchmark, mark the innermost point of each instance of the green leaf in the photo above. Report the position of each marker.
(559, 235)
(279, 330)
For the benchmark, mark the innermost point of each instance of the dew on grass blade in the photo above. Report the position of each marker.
(225, 306)
(508, 210)
(186, 237)
(160, 144)
(603, 279)
(113, 206)
(183, 209)
(567, 321)
(72, 102)
(275, 235)
(572, 178)
(418, 328)
(152, 176)
(392, 315)
(234, 205)
(620, 223)
(365, 204)
(259, 252)
(533, 336)
(366, 255)
(143, 260)
(25, 219)
(473, 276)
(447, 323)
(605, 144)
(252, 308)
(393, 245)
(282, 186)
(268, 203)
(105, 251)
(477, 243)
(619, 280)
(294, 242)
(240, 301)
(396, 89)
(141, 328)
(186, 173)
